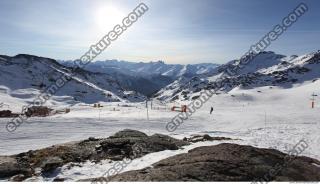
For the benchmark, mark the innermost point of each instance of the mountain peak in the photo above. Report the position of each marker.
(265, 69)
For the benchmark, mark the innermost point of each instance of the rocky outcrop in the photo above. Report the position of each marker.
(40, 111)
(223, 162)
(128, 133)
(124, 144)
(205, 137)
(51, 163)
(10, 166)
(228, 162)
(7, 114)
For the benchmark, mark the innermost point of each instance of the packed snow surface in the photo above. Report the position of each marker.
(267, 117)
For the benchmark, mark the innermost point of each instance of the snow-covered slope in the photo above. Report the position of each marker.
(25, 76)
(273, 118)
(266, 69)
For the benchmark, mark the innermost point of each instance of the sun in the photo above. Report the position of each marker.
(108, 16)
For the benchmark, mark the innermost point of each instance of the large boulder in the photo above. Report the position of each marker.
(159, 142)
(128, 133)
(228, 162)
(9, 166)
(51, 163)
(133, 144)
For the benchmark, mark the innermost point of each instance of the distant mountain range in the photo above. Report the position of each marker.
(25, 76)
(145, 78)
(266, 69)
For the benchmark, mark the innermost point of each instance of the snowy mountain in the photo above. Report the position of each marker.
(25, 76)
(153, 75)
(266, 69)
(147, 69)
(266, 107)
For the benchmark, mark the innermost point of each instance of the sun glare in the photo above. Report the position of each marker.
(108, 16)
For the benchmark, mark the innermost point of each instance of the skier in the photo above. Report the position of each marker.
(211, 110)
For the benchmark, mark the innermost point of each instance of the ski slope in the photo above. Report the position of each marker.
(268, 117)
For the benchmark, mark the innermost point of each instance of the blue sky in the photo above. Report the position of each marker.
(176, 31)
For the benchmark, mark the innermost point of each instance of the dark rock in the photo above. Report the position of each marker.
(195, 97)
(128, 133)
(93, 139)
(41, 111)
(115, 143)
(124, 144)
(7, 114)
(51, 163)
(58, 179)
(159, 142)
(227, 162)
(205, 137)
(136, 146)
(90, 139)
(9, 166)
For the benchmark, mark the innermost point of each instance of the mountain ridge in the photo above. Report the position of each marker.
(26, 76)
(154, 75)
(266, 69)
